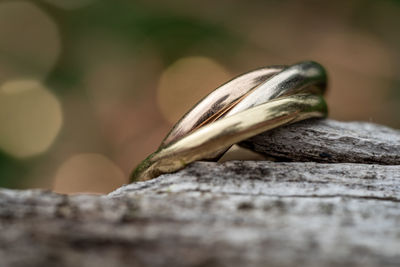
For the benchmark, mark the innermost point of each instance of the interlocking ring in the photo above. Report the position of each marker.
(248, 105)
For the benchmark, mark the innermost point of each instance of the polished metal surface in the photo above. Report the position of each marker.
(302, 77)
(246, 106)
(212, 106)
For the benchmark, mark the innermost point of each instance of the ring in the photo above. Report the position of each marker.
(248, 105)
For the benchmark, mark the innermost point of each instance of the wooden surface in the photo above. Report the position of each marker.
(330, 141)
(239, 213)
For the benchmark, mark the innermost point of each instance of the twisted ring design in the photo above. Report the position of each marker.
(248, 105)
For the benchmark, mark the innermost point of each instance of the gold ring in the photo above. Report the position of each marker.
(248, 105)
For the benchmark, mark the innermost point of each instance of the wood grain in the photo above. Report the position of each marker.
(238, 213)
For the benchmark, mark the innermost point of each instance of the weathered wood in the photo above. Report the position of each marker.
(239, 213)
(330, 141)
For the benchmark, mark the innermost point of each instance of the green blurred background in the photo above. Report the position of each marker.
(88, 88)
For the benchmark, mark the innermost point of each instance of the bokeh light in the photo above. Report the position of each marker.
(125, 71)
(30, 118)
(29, 41)
(186, 82)
(93, 173)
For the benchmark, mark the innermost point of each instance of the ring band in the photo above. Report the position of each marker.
(244, 107)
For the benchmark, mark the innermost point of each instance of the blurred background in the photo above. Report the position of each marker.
(88, 88)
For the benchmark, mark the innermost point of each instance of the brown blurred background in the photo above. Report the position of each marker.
(88, 88)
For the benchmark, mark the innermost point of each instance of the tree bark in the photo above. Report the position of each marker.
(336, 210)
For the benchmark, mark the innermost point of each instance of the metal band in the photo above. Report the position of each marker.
(291, 95)
(221, 99)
